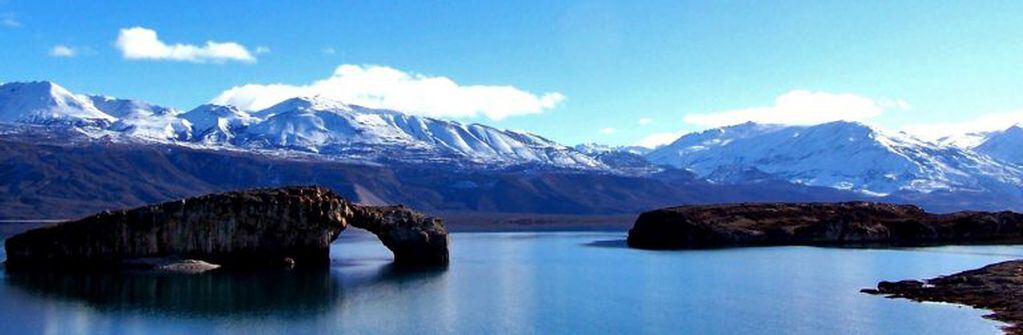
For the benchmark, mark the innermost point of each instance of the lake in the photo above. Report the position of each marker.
(517, 283)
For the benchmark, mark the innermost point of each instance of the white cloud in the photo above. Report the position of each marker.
(262, 49)
(644, 121)
(61, 50)
(329, 51)
(9, 20)
(985, 122)
(607, 131)
(658, 139)
(803, 108)
(385, 87)
(143, 43)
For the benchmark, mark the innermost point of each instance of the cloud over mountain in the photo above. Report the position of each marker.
(385, 87)
(801, 107)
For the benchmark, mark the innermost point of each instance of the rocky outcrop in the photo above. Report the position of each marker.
(414, 238)
(292, 226)
(864, 223)
(997, 287)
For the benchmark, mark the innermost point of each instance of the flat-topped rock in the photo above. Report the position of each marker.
(290, 226)
(865, 223)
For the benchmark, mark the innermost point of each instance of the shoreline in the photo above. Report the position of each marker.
(995, 288)
(460, 222)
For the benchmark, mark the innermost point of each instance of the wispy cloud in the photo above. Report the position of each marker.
(9, 20)
(142, 43)
(329, 51)
(61, 50)
(802, 107)
(985, 122)
(384, 87)
(644, 121)
(262, 49)
(607, 131)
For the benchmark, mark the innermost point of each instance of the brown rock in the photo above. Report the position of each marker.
(997, 287)
(255, 228)
(849, 223)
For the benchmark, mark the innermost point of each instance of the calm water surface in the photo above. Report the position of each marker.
(517, 283)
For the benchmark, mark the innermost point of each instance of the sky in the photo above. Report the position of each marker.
(613, 72)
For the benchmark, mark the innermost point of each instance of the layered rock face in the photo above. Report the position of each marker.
(702, 226)
(255, 228)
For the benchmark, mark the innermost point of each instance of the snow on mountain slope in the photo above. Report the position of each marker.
(142, 119)
(842, 155)
(216, 123)
(964, 141)
(1005, 145)
(597, 148)
(628, 159)
(43, 102)
(331, 127)
(120, 108)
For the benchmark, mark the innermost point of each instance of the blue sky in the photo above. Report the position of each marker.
(926, 66)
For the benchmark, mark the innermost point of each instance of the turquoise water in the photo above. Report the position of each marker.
(517, 283)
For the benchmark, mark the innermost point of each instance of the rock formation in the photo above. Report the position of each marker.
(255, 228)
(998, 287)
(413, 238)
(865, 223)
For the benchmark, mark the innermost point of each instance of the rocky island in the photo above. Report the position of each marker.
(290, 226)
(846, 223)
(997, 287)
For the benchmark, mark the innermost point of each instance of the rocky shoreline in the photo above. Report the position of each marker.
(846, 223)
(996, 287)
(280, 227)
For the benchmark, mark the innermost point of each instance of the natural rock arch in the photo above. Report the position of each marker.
(261, 227)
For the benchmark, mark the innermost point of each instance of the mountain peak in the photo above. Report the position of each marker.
(839, 154)
(45, 102)
(121, 108)
(35, 88)
(303, 104)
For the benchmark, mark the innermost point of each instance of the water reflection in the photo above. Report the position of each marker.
(292, 294)
(210, 294)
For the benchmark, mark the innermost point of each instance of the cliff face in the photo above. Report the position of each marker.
(264, 227)
(815, 224)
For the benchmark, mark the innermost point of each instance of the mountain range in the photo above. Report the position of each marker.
(58, 150)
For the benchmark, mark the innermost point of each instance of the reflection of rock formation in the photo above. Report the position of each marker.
(249, 228)
(299, 292)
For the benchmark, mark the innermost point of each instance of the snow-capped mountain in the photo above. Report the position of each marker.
(842, 155)
(628, 159)
(120, 108)
(43, 102)
(1005, 145)
(597, 148)
(330, 127)
(216, 123)
(142, 119)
